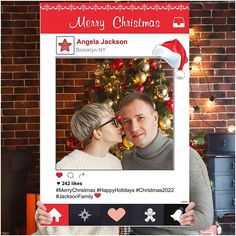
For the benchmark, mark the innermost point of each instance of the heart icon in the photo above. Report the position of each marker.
(59, 174)
(58, 183)
(97, 195)
(116, 215)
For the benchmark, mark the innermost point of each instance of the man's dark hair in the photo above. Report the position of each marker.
(128, 99)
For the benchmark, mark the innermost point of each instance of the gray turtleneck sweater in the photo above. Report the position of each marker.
(158, 155)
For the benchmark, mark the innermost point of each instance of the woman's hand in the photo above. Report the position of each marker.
(41, 216)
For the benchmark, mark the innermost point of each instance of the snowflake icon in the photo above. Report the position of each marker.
(84, 215)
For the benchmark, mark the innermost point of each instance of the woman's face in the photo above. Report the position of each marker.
(111, 130)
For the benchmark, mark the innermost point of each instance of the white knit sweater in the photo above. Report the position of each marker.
(80, 160)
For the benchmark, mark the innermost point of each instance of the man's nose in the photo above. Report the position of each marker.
(134, 126)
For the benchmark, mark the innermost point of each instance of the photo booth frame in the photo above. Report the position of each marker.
(165, 36)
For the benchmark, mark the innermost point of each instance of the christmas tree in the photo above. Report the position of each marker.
(115, 78)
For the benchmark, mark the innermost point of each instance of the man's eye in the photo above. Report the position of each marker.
(140, 118)
(125, 122)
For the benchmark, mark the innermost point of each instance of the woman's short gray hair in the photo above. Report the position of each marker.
(89, 118)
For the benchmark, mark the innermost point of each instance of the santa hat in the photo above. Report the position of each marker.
(174, 54)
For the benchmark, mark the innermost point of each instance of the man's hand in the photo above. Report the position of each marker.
(41, 216)
(188, 218)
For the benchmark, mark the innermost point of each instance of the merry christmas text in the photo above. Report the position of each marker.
(117, 22)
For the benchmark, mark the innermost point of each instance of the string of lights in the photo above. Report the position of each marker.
(196, 108)
(198, 61)
(211, 101)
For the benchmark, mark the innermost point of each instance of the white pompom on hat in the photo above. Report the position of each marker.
(174, 54)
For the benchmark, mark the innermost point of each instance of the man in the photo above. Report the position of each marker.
(154, 151)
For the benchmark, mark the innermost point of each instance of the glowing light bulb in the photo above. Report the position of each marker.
(191, 32)
(191, 110)
(197, 59)
(210, 103)
(231, 129)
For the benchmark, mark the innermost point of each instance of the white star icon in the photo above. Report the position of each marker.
(84, 215)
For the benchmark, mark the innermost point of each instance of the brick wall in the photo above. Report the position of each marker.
(214, 24)
(71, 76)
(20, 80)
(214, 27)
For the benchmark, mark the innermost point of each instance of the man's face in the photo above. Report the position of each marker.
(139, 123)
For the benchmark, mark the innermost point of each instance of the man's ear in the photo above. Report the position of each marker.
(155, 115)
(97, 134)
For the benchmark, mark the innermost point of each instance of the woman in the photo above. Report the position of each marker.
(96, 126)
